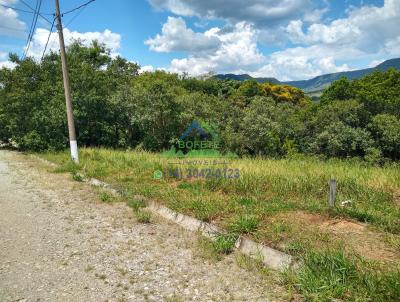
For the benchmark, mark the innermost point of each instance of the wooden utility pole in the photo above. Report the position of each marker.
(70, 116)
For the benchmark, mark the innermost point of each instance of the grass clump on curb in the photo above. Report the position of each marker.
(143, 216)
(105, 197)
(136, 204)
(77, 177)
(215, 249)
(225, 243)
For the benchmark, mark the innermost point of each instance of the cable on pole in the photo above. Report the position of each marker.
(32, 27)
(75, 16)
(78, 7)
(48, 38)
(17, 9)
(40, 14)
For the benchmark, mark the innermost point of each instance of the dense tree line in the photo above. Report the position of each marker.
(117, 107)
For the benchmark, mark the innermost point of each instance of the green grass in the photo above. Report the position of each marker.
(277, 202)
(136, 204)
(105, 197)
(224, 243)
(244, 224)
(332, 275)
(77, 177)
(143, 216)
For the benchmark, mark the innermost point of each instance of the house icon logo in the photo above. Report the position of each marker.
(195, 126)
(199, 140)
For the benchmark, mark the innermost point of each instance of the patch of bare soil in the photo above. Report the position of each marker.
(356, 236)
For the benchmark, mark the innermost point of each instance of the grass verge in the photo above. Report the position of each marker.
(282, 203)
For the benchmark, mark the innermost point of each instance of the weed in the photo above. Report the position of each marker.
(224, 243)
(393, 241)
(206, 250)
(295, 247)
(105, 197)
(174, 298)
(252, 264)
(245, 201)
(77, 176)
(143, 216)
(136, 204)
(101, 276)
(244, 224)
(89, 268)
(203, 209)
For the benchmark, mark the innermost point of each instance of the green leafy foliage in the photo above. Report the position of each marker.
(116, 107)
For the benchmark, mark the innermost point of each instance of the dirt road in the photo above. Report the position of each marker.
(58, 242)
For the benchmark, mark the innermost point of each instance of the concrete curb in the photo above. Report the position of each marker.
(270, 257)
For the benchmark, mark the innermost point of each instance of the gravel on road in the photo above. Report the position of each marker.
(59, 242)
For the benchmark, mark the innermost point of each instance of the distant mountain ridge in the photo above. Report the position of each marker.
(319, 82)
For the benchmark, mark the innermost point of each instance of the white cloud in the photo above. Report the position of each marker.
(367, 28)
(299, 64)
(177, 37)
(248, 23)
(110, 39)
(10, 25)
(146, 68)
(7, 64)
(3, 55)
(368, 32)
(315, 15)
(392, 47)
(237, 51)
(375, 63)
(258, 12)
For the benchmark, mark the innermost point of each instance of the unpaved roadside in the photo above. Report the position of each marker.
(58, 242)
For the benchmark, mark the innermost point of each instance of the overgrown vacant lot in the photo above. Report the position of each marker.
(351, 252)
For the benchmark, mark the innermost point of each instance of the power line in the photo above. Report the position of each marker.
(33, 26)
(75, 16)
(67, 24)
(17, 9)
(76, 8)
(40, 14)
(82, 7)
(30, 30)
(48, 38)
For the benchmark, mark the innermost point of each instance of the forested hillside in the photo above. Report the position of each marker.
(320, 82)
(116, 107)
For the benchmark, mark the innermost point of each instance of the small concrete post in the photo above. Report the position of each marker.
(332, 192)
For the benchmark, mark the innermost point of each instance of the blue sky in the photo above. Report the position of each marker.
(286, 39)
